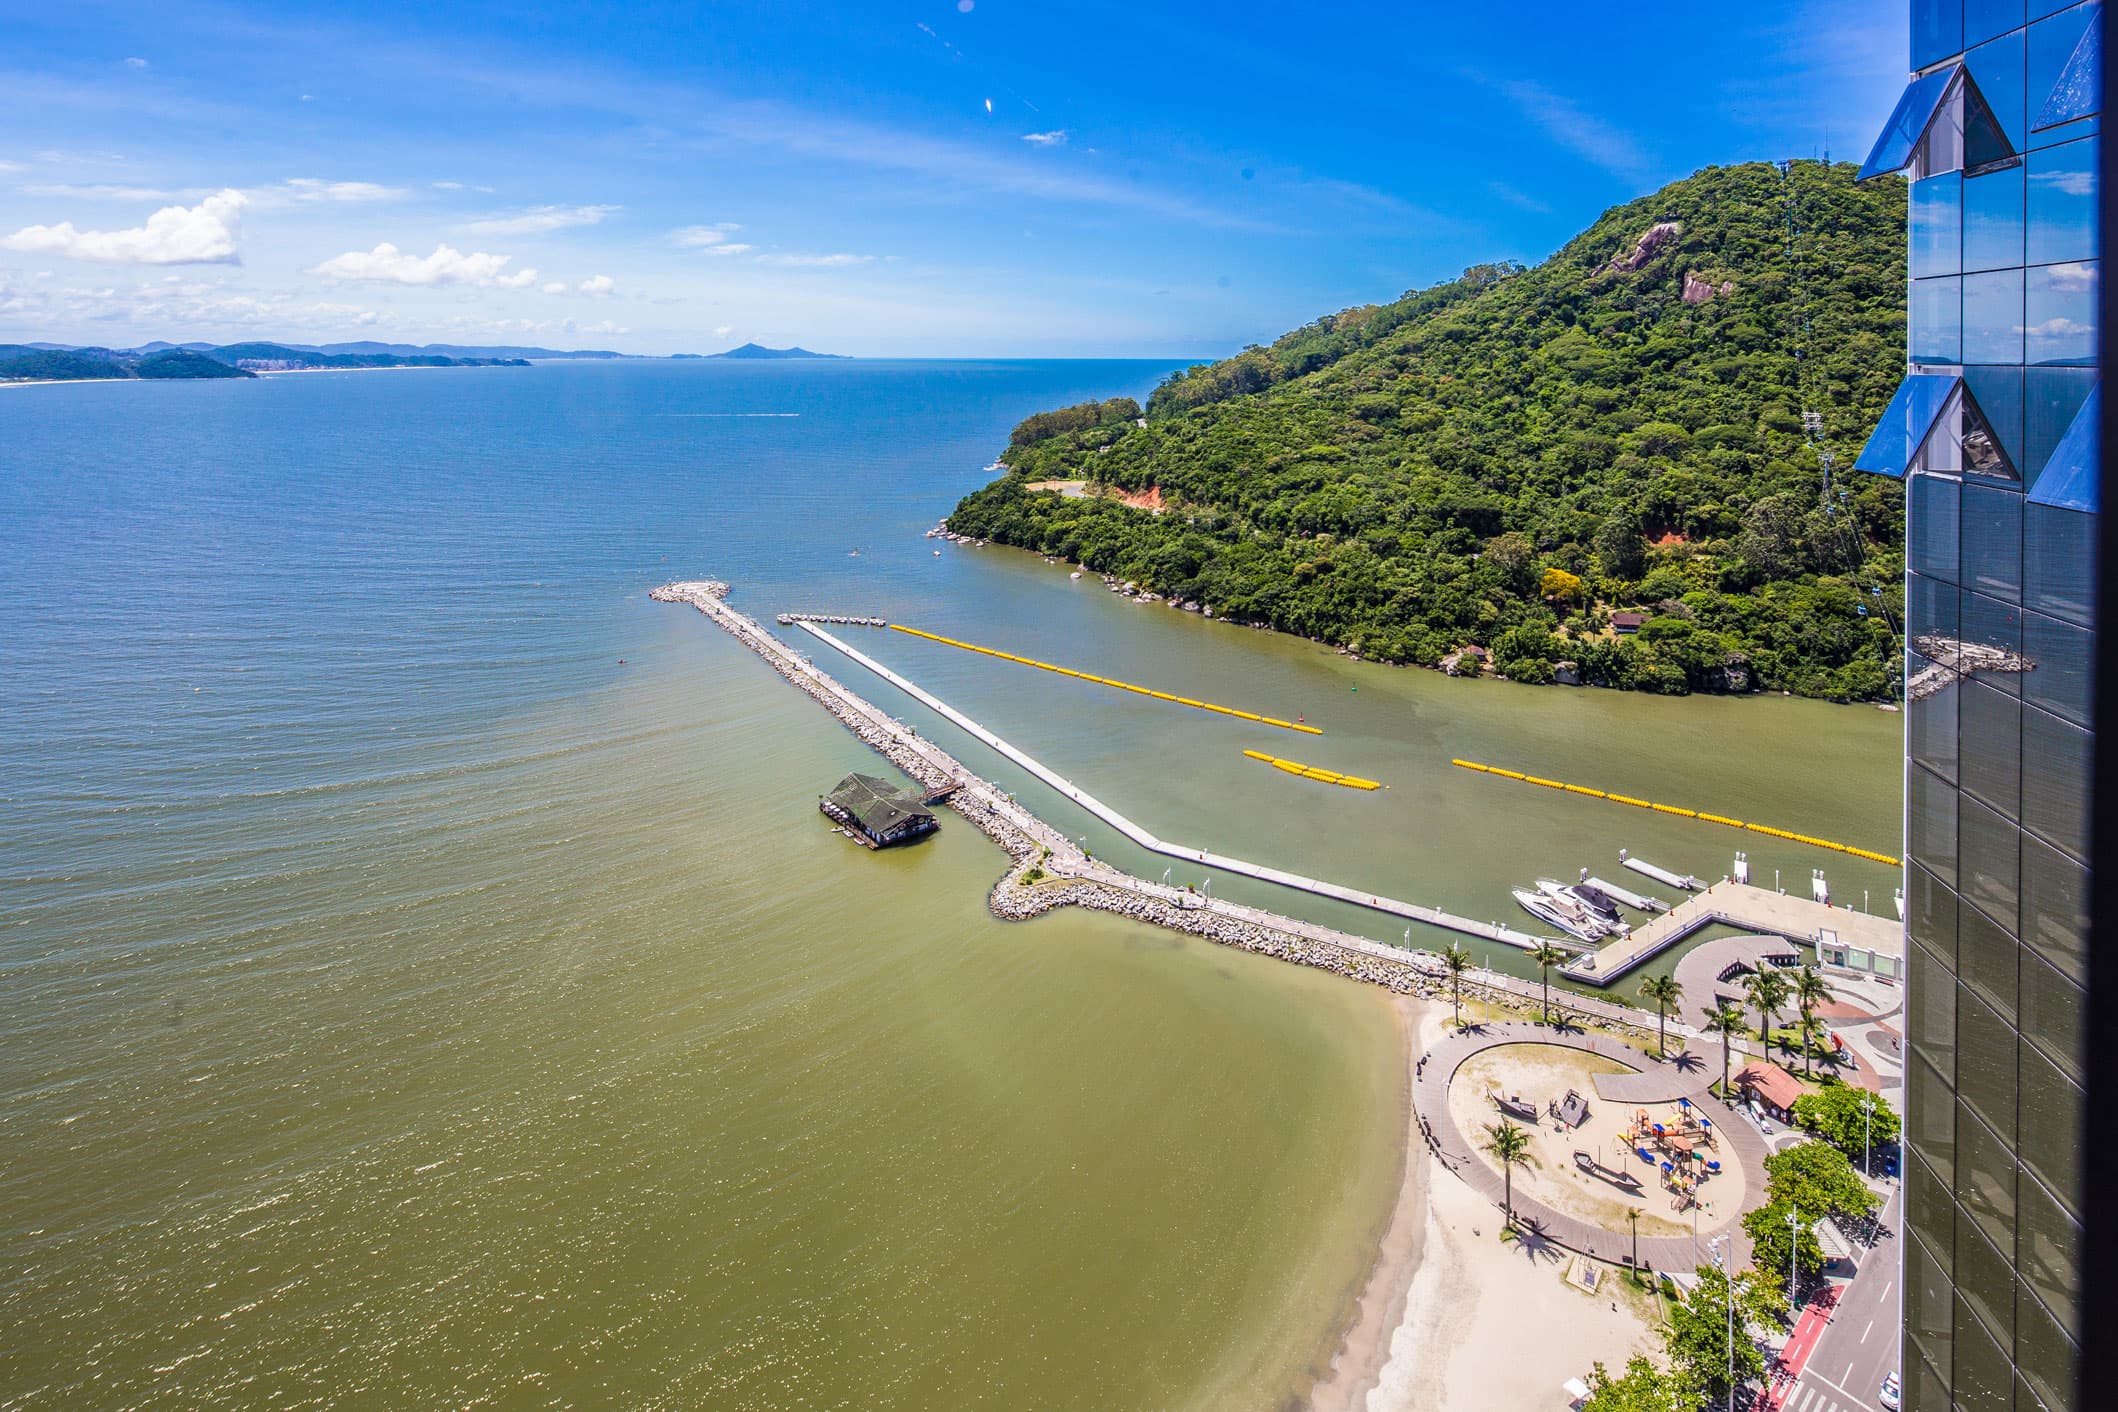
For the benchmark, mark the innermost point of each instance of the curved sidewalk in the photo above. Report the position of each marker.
(1430, 1099)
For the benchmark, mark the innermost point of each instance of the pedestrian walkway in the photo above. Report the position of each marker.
(1686, 1075)
(1458, 1153)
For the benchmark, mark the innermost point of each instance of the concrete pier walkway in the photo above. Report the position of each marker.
(1758, 910)
(1431, 916)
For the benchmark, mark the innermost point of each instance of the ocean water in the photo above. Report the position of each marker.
(426, 980)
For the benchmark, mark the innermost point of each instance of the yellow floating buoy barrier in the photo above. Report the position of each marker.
(1766, 829)
(1305, 729)
(1313, 772)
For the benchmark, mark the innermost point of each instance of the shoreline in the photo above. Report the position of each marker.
(1366, 1334)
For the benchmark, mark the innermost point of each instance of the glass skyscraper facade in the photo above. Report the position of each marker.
(1995, 433)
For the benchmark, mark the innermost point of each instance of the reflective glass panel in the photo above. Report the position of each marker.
(1930, 512)
(1992, 546)
(1937, 30)
(2048, 1252)
(2055, 907)
(2059, 560)
(2054, 1015)
(1928, 1299)
(1990, 746)
(1985, 1060)
(2059, 314)
(1930, 1125)
(1930, 822)
(1992, 317)
(1909, 420)
(1937, 331)
(1936, 218)
(2076, 91)
(2056, 758)
(2044, 1355)
(1996, 395)
(1997, 69)
(2062, 671)
(1930, 714)
(1984, 19)
(2073, 479)
(1930, 1003)
(1908, 123)
(1985, 953)
(1985, 1180)
(2052, 397)
(1986, 1278)
(1930, 610)
(1930, 912)
(2052, 1112)
(1993, 221)
(2060, 205)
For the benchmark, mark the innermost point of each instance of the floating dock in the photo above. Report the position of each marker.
(1312, 772)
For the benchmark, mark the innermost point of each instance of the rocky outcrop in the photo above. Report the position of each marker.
(1658, 237)
(1698, 289)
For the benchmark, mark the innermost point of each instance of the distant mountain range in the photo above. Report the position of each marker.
(60, 362)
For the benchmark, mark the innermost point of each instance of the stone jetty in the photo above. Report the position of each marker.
(1048, 870)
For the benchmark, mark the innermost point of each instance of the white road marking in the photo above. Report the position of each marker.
(1867, 1331)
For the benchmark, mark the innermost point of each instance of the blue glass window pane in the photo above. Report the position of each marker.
(2075, 94)
(1993, 220)
(2055, 781)
(2062, 667)
(1986, 19)
(1993, 317)
(1937, 30)
(1989, 768)
(1998, 393)
(2058, 560)
(1937, 332)
(1908, 124)
(1907, 422)
(1936, 216)
(1998, 70)
(2061, 206)
(2072, 479)
(1992, 555)
(1930, 526)
(1930, 611)
(2059, 315)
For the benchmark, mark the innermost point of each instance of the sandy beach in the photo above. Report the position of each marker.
(1454, 1319)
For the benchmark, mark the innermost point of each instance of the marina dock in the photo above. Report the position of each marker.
(1080, 880)
(1758, 910)
(1431, 916)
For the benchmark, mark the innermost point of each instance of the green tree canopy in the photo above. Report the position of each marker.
(1835, 1114)
(1819, 1178)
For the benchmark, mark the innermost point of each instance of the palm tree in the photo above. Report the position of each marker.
(1545, 956)
(1767, 990)
(1665, 992)
(1458, 961)
(1510, 1147)
(1810, 990)
(1725, 1020)
(1809, 1027)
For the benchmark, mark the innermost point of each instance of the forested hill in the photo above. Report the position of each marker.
(1508, 459)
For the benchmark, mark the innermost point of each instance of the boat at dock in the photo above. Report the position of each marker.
(1570, 918)
(1638, 901)
(1605, 918)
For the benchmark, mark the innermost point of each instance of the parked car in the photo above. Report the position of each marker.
(1891, 1395)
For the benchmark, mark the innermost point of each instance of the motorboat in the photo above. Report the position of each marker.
(1598, 901)
(1570, 902)
(1569, 917)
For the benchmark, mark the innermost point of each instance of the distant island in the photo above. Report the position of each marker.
(37, 362)
(756, 350)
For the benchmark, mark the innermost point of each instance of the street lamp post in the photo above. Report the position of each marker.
(1794, 1214)
(1632, 1216)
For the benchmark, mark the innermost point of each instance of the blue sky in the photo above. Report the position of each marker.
(960, 177)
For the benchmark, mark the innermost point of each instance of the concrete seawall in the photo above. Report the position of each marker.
(1074, 879)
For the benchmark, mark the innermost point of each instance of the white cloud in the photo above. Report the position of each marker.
(724, 330)
(65, 192)
(539, 219)
(599, 286)
(204, 234)
(385, 264)
(815, 261)
(10, 166)
(135, 63)
(699, 237)
(447, 185)
(737, 249)
(557, 286)
(1581, 132)
(1055, 138)
(313, 189)
(308, 98)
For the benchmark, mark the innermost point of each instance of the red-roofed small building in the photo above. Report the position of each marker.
(1772, 1087)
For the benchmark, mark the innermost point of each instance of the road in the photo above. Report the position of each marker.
(1858, 1345)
